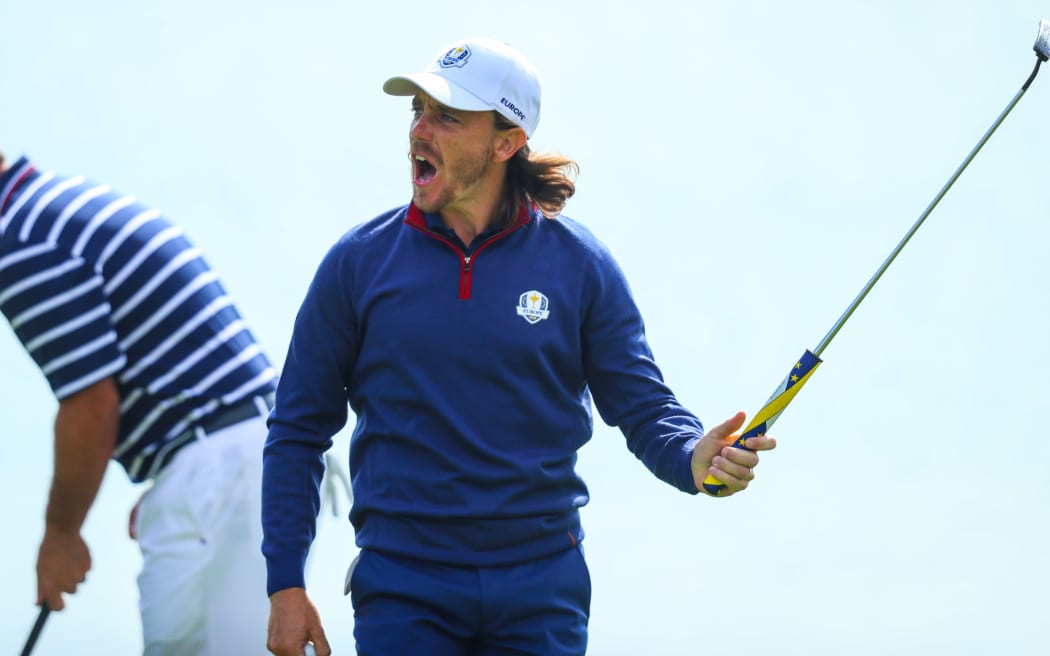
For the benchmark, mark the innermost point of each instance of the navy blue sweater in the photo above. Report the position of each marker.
(471, 375)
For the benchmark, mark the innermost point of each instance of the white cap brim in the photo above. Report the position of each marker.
(445, 92)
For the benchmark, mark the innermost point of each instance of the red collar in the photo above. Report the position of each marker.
(418, 219)
(16, 175)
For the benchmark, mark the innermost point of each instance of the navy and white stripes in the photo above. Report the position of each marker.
(95, 284)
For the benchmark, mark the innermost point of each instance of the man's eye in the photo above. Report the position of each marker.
(449, 117)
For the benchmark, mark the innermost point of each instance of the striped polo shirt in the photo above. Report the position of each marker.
(95, 284)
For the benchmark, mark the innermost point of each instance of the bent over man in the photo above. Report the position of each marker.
(152, 365)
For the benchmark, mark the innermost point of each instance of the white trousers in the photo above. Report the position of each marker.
(203, 582)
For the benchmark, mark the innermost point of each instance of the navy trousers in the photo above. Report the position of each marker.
(405, 606)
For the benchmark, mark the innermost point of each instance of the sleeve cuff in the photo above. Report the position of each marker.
(686, 482)
(286, 571)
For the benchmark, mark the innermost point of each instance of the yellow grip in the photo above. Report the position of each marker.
(764, 418)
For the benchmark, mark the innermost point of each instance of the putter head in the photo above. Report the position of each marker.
(1042, 42)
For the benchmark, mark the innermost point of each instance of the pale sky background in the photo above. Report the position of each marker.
(750, 164)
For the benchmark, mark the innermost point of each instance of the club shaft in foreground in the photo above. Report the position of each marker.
(38, 626)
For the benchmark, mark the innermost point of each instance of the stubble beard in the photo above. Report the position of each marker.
(460, 177)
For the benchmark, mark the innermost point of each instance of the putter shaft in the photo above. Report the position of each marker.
(1042, 51)
(915, 227)
(810, 360)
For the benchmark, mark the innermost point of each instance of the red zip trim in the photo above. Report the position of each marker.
(415, 219)
(18, 183)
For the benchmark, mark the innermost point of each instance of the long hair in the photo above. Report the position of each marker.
(546, 179)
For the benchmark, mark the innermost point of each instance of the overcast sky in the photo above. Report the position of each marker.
(750, 164)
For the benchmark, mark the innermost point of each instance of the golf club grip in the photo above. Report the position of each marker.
(764, 418)
(711, 484)
(38, 626)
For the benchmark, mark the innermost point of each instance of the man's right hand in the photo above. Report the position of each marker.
(294, 622)
(61, 565)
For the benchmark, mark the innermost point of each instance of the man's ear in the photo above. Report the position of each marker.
(507, 143)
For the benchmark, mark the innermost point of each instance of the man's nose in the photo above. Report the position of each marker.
(421, 127)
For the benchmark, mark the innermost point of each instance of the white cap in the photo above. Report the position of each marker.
(478, 75)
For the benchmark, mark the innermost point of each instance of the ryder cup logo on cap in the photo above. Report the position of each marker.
(457, 57)
(477, 75)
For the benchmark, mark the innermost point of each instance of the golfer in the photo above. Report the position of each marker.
(469, 332)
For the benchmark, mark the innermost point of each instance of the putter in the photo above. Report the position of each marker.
(810, 360)
(38, 626)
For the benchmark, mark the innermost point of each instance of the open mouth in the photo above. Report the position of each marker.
(423, 172)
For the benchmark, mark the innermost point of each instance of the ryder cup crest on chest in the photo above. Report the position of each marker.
(533, 306)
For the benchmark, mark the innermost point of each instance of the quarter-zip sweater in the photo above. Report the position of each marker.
(471, 373)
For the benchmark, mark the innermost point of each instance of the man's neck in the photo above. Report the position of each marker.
(477, 215)
(467, 227)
